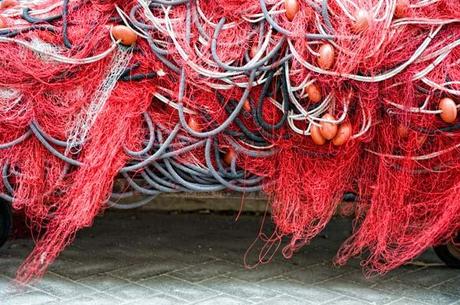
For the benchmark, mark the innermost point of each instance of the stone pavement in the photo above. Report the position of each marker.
(146, 257)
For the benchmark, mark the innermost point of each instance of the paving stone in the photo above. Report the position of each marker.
(80, 269)
(30, 298)
(131, 292)
(7, 288)
(234, 256)
(358, 275)
(159, 299)
(244, 290)
(61, 287)
(317, 273)
(299, 290)
(148, 269)
(178, 288)
(285, 300)
(262, 272)
(126, 255)
(189, 258)
(223, 300)
(429, 277)
(347, 301)
(417, 293)
(17, 247)
(103, 282)
(139, 257)
(204, 271)
(354, 290)
(88, 299)
(309, 256)
(406, 301)
(451, 286)
(9, 265)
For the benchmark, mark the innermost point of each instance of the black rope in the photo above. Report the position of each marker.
(27, 17)
(65, 12)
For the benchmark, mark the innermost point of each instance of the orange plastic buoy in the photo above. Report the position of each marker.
(314, 93)
(402, 8)
(363, 19)
(403, 131)
(127, 36)
(328, 130)
(292, 8)
(193, 124)
(449, 110)
(326, 57)
(343, 134)
(247, 106)
(8, 3)
(229, 156)
(316, 136)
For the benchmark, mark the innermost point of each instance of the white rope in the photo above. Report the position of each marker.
(87, 118)
(57, 57)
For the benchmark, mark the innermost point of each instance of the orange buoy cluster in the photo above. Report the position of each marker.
(326, 58)
(328, 131)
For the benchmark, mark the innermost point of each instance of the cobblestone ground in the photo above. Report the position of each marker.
(151, 258)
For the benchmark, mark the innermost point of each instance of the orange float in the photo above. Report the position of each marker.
(328, 130)
(292, 8)
(362, 22)
(316, 136)
(124, 34)
(448, 110)
(314, 93)
(326, 57)
(343, 134)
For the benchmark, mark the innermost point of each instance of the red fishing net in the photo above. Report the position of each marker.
(304, 100)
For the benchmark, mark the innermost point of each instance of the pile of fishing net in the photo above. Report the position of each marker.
(303, 100)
